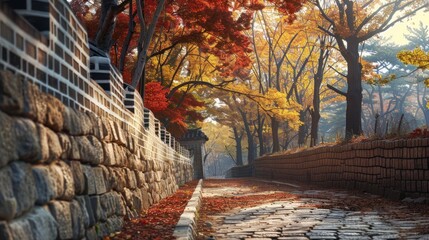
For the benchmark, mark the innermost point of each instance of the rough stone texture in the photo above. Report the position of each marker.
(5, 231)
(53, 117)
(96, 130)
(97, 210)
(87, 149)
(100, 185)
(130, 200)
(9, 206)
(131, 179)
(66, 174)
(68, 186)
(86, 207)
(44, 186)
(91, 233)
(51, 148)
(7, 140)
(21, 229)
(79, 219)
(78, 177)
(66, 146)
(43, 225)
(24, 189)
(62, 214)
(11, 97)
(57, 180)
(109, 159)
(88, 172)
(27, 145)
(75, 122)
(393, 168)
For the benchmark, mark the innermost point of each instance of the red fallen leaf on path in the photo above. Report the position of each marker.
(159, 221)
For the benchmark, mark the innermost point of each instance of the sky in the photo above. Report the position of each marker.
(399, 29)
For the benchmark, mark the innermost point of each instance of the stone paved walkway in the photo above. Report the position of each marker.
(313, 214)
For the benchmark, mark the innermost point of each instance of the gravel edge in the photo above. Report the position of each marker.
(187, 224)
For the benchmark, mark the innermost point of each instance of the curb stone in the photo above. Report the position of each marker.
(186, 226)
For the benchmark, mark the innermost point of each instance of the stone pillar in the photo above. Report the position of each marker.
(194, 140)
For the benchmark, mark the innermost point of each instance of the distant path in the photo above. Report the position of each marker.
(250, 209)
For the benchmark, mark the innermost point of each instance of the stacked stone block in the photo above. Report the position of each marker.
(66, 174)
(394, 168)
(53, 52)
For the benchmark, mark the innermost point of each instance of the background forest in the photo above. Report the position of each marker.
(266, 76)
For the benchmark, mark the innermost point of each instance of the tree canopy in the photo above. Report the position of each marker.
(276, 74)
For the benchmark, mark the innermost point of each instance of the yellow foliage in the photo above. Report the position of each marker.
(370, 77)
(418, 58)
(275, 102)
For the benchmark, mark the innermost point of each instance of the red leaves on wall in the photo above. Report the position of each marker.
(419, 133)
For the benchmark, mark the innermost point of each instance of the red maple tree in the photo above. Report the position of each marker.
(175, 112)
(215, 27)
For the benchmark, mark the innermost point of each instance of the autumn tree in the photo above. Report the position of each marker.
(387, 91)
(272, 38)
(180, 44)
(419, 37)
(352, 23)
(216, 27)
(420, 59)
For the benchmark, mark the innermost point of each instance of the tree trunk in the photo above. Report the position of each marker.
(354, 90)
(238, 147)
(318, 78)
(261, 121)
(314, 134)
(250, 147)
(124, 50)
(145, 38)
(302, 129)
(275, 134)
(250, 142)
(315, 115)
(106, 26)
(426, 113)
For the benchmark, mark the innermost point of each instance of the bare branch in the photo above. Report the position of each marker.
(336, 90)
(325, 16)
(339, 73)
(208, 84)
(387, 24)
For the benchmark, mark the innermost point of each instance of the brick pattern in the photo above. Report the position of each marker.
(394, 168)
(44, 43)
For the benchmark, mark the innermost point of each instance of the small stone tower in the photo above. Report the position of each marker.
(194, 140)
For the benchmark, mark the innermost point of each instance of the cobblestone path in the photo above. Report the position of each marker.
(314, 213)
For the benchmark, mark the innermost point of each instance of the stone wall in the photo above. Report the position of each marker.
(70, 174)
(393, 168)
(240, 171)
(54, 53)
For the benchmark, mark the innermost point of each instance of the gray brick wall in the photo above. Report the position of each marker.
(394, 168)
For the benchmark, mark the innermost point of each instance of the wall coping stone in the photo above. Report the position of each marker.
(186, 226)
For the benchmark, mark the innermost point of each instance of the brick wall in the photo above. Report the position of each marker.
(393, 168)
(53, 52)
